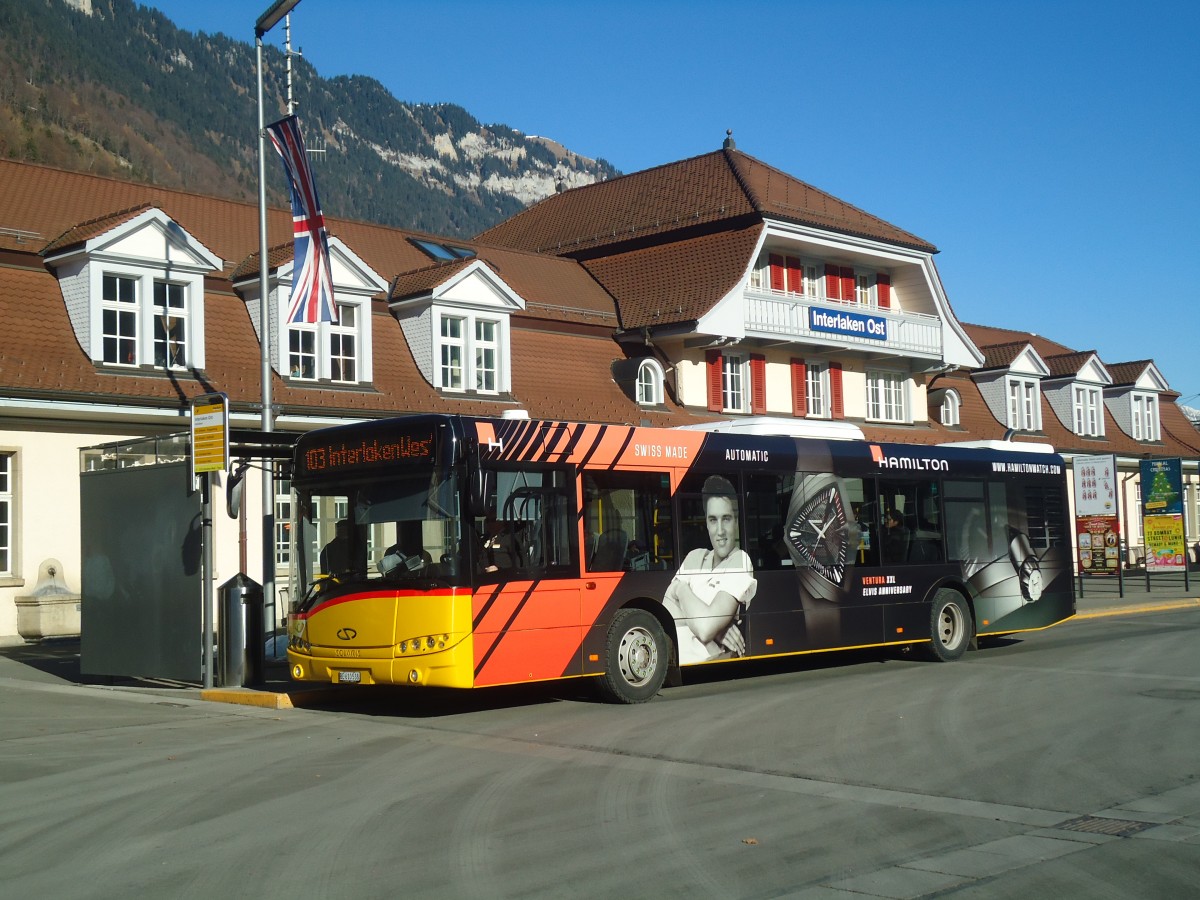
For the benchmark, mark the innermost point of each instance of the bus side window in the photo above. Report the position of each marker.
(627, 521)
(766, 502)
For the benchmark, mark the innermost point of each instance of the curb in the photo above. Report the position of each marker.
(1165, 606)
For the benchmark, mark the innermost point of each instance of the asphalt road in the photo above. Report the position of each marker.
(1060, 764)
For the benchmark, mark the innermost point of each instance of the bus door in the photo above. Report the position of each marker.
(526, 611)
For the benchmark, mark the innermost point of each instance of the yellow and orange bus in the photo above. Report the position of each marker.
(459, 552)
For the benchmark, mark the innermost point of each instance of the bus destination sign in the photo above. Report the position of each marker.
(341, 455)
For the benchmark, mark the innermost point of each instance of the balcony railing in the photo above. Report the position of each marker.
(770, 314)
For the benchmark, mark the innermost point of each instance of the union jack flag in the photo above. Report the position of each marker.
(312, 281)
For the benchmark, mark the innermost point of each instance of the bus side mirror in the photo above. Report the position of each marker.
(234, 488)
(477, 487)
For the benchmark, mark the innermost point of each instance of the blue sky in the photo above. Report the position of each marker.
(1050, 149)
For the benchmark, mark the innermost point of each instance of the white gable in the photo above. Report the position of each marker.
(1028, 362)
(155, 238)
(478, 286)
(1093, 372)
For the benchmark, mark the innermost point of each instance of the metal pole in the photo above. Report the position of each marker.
(206, 541)
(268, 419)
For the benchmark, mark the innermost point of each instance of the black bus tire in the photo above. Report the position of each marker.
(636, 657)
(951, 626)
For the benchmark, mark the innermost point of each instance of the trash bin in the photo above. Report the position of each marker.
(240, 627)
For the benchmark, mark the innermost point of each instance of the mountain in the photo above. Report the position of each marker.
(114, 88)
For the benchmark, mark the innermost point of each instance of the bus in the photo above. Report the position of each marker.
(458, 552)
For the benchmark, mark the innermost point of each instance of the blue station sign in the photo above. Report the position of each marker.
(853, 324)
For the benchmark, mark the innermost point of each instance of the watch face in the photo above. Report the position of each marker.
(818, 533)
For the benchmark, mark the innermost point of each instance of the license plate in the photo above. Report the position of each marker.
(349, 677)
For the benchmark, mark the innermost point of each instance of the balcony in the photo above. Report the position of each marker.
(788, 317)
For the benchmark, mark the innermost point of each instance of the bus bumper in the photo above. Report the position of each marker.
(449, 667)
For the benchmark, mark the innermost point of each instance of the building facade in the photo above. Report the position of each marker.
(711, 288)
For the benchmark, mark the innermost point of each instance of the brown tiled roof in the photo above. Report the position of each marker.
(85, 231)
(1001, 356)
(1125, 373)
(1066, 364)
(986, 335)
(676, 282)
(701, 192)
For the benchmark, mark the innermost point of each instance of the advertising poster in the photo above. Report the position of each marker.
(1099, 541)
(1165, 550)
(1097, 526)
(1162, 487)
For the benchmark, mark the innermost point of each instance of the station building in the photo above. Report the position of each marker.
(716, 288)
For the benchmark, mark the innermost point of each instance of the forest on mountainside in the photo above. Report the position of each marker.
(123, 92)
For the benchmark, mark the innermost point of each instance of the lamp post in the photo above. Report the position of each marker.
(265, 23)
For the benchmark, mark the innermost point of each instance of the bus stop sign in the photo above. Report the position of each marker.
(210, 433)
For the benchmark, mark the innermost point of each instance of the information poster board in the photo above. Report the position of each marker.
(1097, 517)
(1162, 514)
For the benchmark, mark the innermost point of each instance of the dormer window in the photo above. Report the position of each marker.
(134, 290)
(1089, 417)
(950, 414)
(650, 383)
(342, 338)
(170, 324)
(469, 349)
(1024, 404)
(119, 321)
(1145, 417)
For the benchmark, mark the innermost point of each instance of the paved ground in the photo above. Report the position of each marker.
(1057, 764)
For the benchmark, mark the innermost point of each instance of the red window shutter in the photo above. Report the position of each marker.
(847, 284)
(795, 276)
(713, 359)
(837, 407)
(883, 287)
(758, 384)
(799, 388)
(833, 282)
(777, 283)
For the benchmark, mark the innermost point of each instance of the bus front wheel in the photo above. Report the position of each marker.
(951, 626)
(636, 657)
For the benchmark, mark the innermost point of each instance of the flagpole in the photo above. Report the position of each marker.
(265, 23)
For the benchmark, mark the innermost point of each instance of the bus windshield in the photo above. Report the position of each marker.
(404, 529)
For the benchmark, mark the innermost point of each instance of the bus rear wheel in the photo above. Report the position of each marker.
(636, 657)
(951, 626)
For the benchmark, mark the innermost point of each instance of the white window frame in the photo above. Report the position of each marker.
(1145, 420)
(297, 355)
(349, 329)
(145, 311)
(650, 379)
(486, 355)
(164, 312)
(283, 521)
(816, 390)
(472, 347)
(1087, 406)
(1024, 400)
(735, 382)
(887, 396)
(864, 290)
(123, 309)
(342, 332)
(951, 411)
(8, 514)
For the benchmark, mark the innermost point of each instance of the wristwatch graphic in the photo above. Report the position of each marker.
(1025, 561)
(819, 536)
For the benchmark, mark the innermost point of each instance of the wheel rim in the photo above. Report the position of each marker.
(637, 656)
(950, 625)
